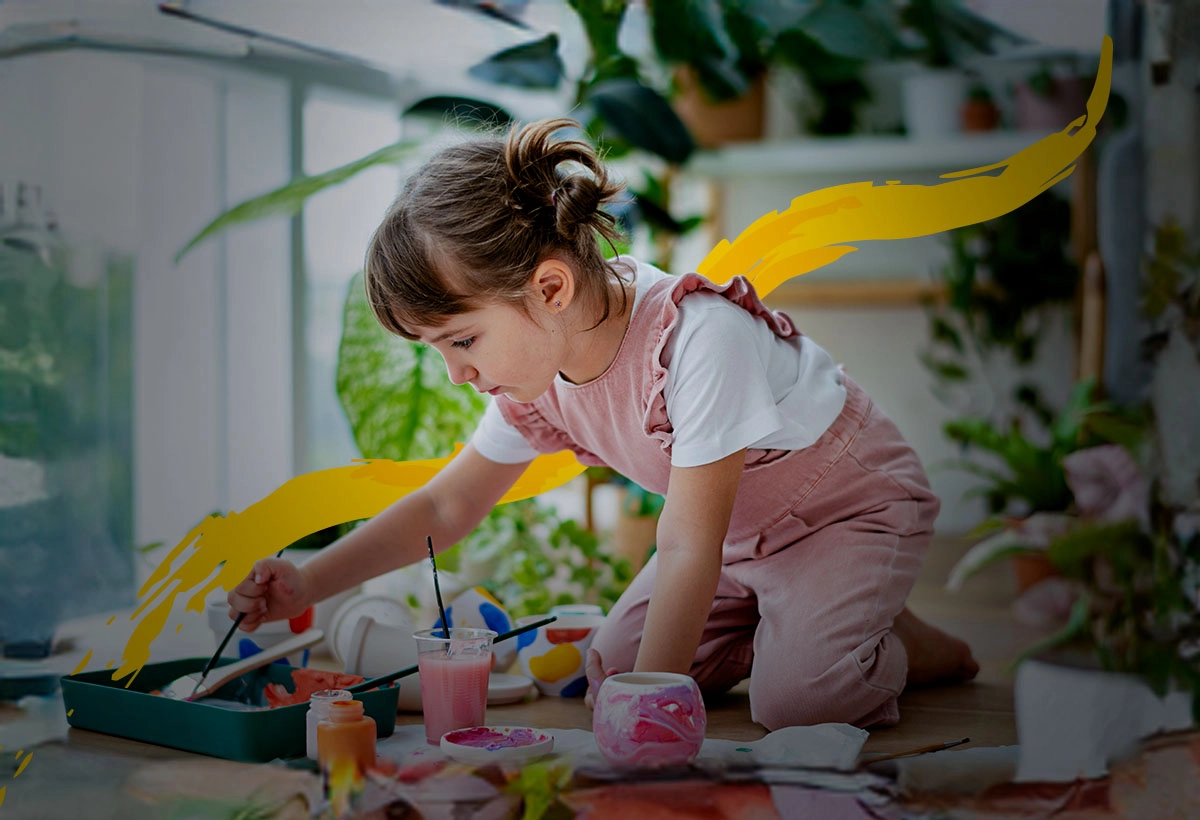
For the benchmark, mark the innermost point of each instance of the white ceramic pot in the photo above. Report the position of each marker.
(933, 103)
(1072, 722)
(649, 720)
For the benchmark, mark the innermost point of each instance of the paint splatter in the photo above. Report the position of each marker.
(24, 763)
(70, 712)
(83, 663)
(110, 620)
(812, 232)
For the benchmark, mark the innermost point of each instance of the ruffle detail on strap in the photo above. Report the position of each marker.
(540, 433)
(739, 291)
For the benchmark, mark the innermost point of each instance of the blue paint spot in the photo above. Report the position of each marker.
(449, 617)
(526, 638)
(247, 647)
(494, 618)
(575, 688)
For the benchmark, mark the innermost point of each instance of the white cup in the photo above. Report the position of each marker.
(376, 649)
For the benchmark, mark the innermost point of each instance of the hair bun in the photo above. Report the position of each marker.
(558, 183)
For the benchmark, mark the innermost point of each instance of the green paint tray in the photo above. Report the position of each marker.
(94, 701)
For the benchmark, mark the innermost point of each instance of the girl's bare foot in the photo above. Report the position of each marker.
(933, 656)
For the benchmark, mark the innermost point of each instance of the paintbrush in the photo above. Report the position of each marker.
(920, 750)
(225, 642)
(437, 590)
(412, 670)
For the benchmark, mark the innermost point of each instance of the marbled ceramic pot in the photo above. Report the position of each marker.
(649, 720)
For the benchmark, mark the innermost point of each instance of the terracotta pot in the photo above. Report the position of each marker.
(634, 536)
(715, 124)
(1030, 569)
(980, 115)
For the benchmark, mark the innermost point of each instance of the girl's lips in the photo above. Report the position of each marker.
(495, 391)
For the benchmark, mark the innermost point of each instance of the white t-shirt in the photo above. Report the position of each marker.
(731, 383)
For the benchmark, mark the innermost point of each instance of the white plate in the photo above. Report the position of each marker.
(504, 688)
(482, 745)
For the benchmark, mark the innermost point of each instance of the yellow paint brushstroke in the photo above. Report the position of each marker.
(3, 789)
(812, 232)
(110, 621)
(83, 663)
(178, 628)
(70, 712)
(17, 756)
(24, 763)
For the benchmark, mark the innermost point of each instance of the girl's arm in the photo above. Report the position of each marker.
(447, 508)
(691, 533)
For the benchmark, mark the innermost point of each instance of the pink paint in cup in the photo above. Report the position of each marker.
(454, 671)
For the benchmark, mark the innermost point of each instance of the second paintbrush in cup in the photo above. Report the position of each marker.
(454, 670)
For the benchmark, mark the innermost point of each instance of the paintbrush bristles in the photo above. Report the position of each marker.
(437, 590)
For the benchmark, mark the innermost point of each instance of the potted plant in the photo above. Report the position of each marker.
(979, 112)
(1124, 662)
(1049, 99)
(943, 33)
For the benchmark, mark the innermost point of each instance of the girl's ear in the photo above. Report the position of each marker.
(552, 285)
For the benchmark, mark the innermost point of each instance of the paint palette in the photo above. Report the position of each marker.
(481, 745)
(96, 702)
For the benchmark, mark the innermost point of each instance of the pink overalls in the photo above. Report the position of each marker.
(823, 545)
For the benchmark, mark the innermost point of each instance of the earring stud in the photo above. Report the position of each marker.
(558, 303)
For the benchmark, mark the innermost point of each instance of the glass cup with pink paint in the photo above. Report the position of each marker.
(454, 665)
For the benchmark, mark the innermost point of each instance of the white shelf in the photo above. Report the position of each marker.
(857, 155)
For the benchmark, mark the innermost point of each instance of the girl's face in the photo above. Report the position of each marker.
(499, 349)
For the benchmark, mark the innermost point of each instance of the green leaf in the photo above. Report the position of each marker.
(396, 395)
(1077, 624)
(848, 32)
(602, 23)
(990, 551)
(693, 32)
(533, 65)
(641, 116)
(290, 198)
(464, 111)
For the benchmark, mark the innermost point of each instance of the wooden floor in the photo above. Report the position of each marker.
(981, 710)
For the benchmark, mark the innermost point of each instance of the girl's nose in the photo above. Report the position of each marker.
(460, 373)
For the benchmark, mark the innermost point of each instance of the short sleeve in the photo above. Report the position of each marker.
(499, 441)
(718, 393)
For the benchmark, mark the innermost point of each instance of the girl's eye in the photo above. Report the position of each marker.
(463, 343)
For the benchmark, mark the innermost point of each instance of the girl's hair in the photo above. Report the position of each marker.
(472, 225)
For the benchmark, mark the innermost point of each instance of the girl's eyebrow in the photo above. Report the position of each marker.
(447, 335)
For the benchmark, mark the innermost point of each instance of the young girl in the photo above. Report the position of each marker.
(796, 516)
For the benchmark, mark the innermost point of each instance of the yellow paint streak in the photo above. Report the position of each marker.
(83, 663)
(110, 620)
(70, 712)
(24, 763)
(3, 789)
(813, 232)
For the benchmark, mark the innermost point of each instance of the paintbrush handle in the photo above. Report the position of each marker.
(225, 642)
(920, 750)
(412, 670)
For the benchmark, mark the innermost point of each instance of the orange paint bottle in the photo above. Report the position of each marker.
(346, 733)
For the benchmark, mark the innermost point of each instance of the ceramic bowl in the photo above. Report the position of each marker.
(554, 656)
(649, 720)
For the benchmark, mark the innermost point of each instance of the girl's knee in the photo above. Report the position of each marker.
(617, 647)
(863, 706)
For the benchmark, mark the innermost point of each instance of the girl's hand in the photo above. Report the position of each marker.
(594, 669)
(274, 590)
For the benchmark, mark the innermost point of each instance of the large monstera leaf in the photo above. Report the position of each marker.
(395, 393)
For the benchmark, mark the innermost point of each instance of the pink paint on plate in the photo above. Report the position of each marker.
(480, 745)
